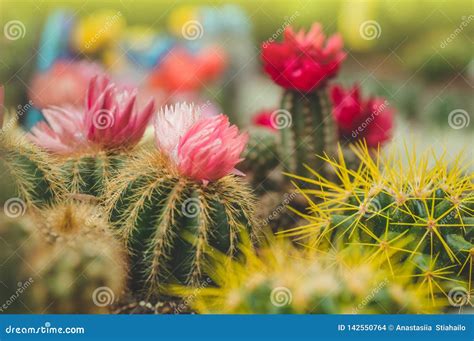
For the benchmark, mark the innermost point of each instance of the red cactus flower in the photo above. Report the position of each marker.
(302, 61)
(265, 119)
(370, 119)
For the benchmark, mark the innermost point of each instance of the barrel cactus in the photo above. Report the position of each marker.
(91, 143)
(281, 279)
(170, 203)
(429, 200)
(76, 263)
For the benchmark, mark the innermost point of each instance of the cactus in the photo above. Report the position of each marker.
(166, 220)
(36, 176)
(76, 263)
(383, 200)
(261, 154)
(280, 279)
(311, 131)
(87, 173)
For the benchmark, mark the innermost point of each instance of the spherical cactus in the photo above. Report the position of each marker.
(280, 279)
(168, 220)
(76, 263)
(261, 154)
(383, 200)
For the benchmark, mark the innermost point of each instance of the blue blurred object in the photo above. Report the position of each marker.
(54, 40)
(32, 117)
(228, 19)
(148, 53)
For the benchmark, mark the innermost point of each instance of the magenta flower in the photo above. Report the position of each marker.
(210, 149)
(112, 118)
(62, 133)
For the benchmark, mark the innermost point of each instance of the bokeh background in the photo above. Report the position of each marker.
(416, 54)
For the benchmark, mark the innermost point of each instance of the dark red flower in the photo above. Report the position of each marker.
(303, 61)
(357, 119)
(265, 119)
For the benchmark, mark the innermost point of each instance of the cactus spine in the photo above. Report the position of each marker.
(167, 221)
(383, 201)
(311, 132)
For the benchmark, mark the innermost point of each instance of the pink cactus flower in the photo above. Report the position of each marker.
(265, 119)
(62, 133)
(171, 124)
(112, 118)
(65, 84)
(210, 149)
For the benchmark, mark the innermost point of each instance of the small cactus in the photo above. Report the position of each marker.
(383, 200)
(76, 263)
(261, 154)
(167, 220)
(280, 279)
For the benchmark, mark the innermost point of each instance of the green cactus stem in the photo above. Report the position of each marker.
(167, 220)
(311, 132)
(36, 176)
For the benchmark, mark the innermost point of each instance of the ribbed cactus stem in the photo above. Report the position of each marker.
(312, 131)
(35, 174)
(88, 173)
(167, 221)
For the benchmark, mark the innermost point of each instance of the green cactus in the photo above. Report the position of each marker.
(261, 154)
(310, 130)
(167, 220)
(280, 279)
(76, 263)
(382, 201)
(36, 176)
(87, 173)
